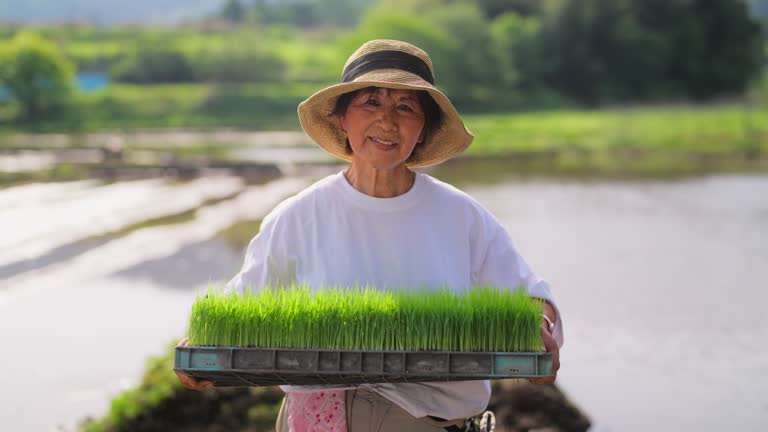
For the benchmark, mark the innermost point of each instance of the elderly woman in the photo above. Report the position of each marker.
(380, 223)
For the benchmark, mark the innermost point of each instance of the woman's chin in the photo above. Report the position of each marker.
(386, 161)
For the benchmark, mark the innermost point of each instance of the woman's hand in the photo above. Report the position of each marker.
(550, 345)
(189, 382)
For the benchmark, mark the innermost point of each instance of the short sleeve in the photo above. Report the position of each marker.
(267, 261)
(504, 266)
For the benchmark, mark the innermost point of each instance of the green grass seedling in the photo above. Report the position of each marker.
(483, 319)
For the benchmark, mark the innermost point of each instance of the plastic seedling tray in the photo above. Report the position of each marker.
(234, 366)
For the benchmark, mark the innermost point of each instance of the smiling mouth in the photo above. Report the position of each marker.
(383, 142)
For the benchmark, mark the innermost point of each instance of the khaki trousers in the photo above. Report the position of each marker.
(367, 411)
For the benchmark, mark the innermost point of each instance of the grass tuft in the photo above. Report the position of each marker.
(363, 318)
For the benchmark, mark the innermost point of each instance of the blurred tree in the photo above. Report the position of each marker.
(517, 50)
(311, 13)
(598, 51)
(39, 77)
(613, 50)
(233, 11)
(759, 10)
(300, 14)
(470, 72)
(455, 33)
(718, 52)
(382, 23)
(494, 8)
(238, 64)
(340, 13)
(154, 65)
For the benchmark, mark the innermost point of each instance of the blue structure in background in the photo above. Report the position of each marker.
(86, 82)
(92, 81)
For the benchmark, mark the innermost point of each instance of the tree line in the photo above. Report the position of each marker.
(489, 54)
(587, 51)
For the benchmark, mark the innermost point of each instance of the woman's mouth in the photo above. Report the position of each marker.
(383, 144)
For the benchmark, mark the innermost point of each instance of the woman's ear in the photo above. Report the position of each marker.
(422, 135)
(342, 123)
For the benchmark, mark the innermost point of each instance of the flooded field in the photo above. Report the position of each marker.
(661, 284)
(83, 317)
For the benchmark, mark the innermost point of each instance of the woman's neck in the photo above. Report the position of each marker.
(380, 183)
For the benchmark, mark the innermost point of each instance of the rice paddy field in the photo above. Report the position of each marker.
(483, 319)
(681, 129)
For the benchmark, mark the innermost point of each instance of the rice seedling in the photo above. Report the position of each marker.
(483, 319)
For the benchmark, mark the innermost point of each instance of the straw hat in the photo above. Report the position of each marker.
(391, 64)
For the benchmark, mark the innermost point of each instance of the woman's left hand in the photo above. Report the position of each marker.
(550, 345)
(189, 382)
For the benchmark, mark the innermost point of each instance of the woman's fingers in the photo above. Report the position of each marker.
(186, 380)
(547, 380)
(550, 345)
(193, 384)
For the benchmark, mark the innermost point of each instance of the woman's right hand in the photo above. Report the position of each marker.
(550, 345)
(189, 382)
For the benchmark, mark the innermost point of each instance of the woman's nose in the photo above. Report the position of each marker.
(388, 119)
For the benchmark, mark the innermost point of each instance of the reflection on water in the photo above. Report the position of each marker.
(238, 236)
(100, 313)
(66, 218)
(26, 161)
(193, 265)
(59, 254)
(661, 284)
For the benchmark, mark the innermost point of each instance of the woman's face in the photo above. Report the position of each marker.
(383, 126)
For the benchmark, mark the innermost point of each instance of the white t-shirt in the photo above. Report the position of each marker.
(432, 236)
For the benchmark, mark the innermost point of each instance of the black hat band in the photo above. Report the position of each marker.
(387, 60)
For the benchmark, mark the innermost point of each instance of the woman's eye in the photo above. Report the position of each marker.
(406, 108)
(373, 102)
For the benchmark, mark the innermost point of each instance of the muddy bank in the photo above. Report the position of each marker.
(160, 138)
(256, 156)
(161, 404)
(253, 156)
(589, 164)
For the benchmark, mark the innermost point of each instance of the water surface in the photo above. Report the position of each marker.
(661, 285)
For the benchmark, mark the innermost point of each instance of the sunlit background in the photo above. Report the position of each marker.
(623, 144)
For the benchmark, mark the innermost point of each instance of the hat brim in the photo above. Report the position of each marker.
(317, 120)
